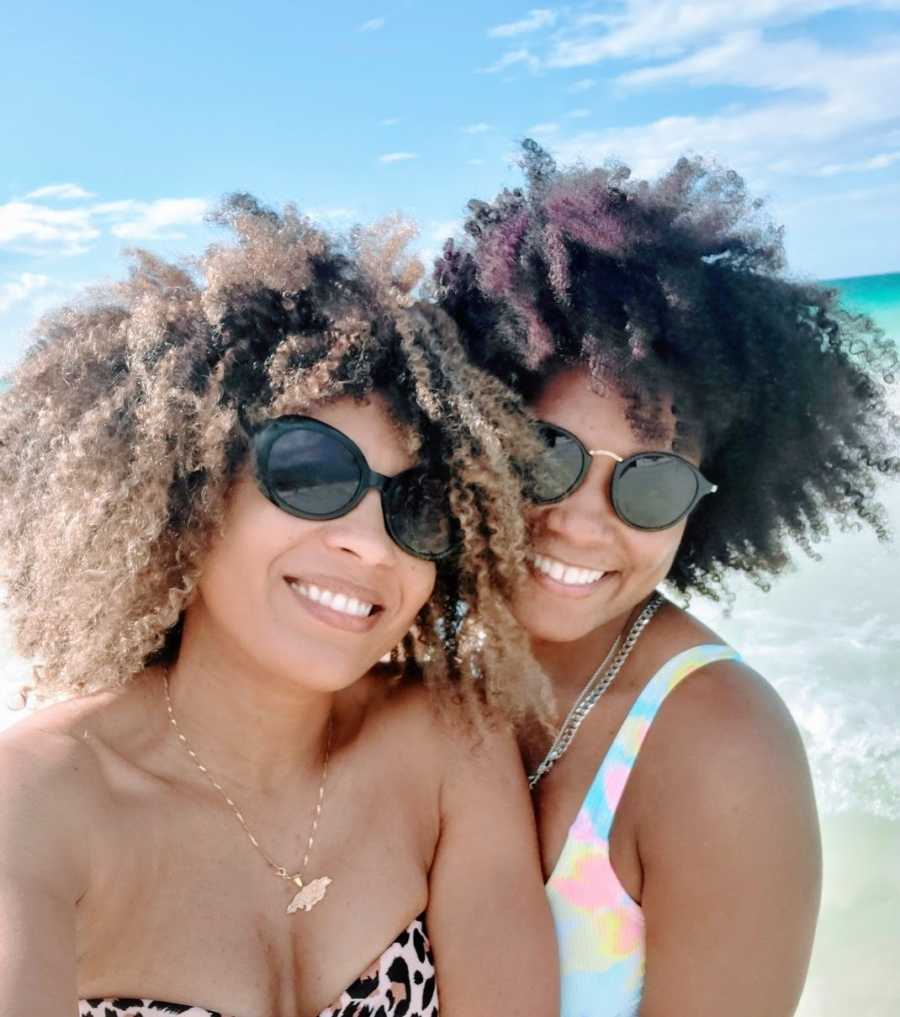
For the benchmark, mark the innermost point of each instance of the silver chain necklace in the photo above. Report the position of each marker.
(596, 685)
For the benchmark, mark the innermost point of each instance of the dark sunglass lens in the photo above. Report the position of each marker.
(654, 491)
(312, 472)
(419, 514)
(555, 472)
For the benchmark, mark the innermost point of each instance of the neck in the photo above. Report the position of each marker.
(255, 730)
(570, 665)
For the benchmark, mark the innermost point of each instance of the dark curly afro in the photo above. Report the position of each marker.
(676, 291)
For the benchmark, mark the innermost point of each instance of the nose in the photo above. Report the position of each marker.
(586, 518)
(362, 533)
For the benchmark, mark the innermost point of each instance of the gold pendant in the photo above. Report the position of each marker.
(308, 895)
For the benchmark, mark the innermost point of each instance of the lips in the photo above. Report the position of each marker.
(334, 599)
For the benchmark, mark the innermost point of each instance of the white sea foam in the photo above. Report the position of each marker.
(828, 637)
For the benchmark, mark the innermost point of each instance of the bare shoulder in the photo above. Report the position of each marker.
(723, 714)
(52, 793)
(724, 751)
(453, 745)
(729, 714)
(48, 751)
(727, 843)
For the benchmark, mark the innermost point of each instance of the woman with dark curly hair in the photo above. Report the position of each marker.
(698, 409)
(228, 492)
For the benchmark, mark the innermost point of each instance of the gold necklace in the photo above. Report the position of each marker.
(308, 894)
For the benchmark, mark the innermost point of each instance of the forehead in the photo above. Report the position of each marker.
(369, 423)
(598, 414)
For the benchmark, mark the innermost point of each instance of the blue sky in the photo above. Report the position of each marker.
(123, 123)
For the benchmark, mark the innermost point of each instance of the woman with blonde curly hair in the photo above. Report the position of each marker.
(229, 491)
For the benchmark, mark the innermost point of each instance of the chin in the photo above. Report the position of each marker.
(552, 625)
(320, 668)
(334, 677)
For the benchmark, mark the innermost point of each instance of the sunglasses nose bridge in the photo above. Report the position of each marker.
(596, 452)
(378, 482)
(586, 515)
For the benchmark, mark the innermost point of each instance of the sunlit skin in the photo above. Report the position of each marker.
(136, 879)
(578, 622)
(719, 806)
(261, 625)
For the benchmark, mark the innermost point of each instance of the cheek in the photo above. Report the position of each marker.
(654, 552)
(418, 584)
(253, 536)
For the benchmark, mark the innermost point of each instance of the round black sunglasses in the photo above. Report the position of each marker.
(312, 470)
(648, 490)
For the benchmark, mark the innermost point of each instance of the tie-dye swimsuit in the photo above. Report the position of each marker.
(599, 927)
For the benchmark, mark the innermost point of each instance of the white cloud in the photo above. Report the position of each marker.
(442, 229)
(885, 199)
(33, 228)
(746, 58)
(479, 128)
(876, 162)
(535, 20)
(787, 136)
(65, 192)
(390, 157)
(513, 59)
(807, 110)
(156, 220)
(813, 104)
(542, 130)
(652, 28)
(372, 25)
(114, 209)
(577, 114)
(21, 288)
(389, 122)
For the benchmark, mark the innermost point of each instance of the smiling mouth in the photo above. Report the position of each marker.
(353, 607)
(567, 575)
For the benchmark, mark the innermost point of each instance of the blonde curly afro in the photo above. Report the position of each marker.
(124, 427)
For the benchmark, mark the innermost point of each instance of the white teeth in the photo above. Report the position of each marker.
(335, 601)
(569, 575)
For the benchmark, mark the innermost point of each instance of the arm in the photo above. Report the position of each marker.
(42, 874)
(729, 843)
(488, 916)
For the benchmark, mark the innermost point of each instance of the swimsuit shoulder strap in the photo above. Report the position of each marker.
(606, 791)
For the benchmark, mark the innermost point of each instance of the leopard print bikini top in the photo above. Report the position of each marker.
(400, 983)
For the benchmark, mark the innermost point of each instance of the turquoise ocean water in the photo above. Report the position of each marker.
(827, 635)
